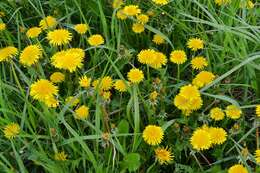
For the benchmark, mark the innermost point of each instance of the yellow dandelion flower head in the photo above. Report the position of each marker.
(96, 40)
(131, 10)
(57, 77)
(117, 3)
(203, 78)
(161, 2)
(257, 155)
(43, 89)
(33, 32)
(104, 83)
(142, 18)
(51, 102)
(257, 110)
(69, 59)
(7, 53)
(222, 2)
(135, 75)
(48, 22)
(71, 101)
(188, 99)
(2, 26)
(201, 139)
(195, 44)
(195, 103)
(199, 63)
(163, 155)
(189, 91)
(59, 37)
(158, 39)
(217, 114)
(153, 135)
(120, 86)
(178, 57)
(106, 95)
(238, 168)
(218, 135)
(121, 15)
(60, 156)
(181, 102)
(153, 95)
(85, 81)
(30, 55)
(11, 130)
(82, 112)
(138, 28)
(233, 112)
(159, 61)
(81, 28)
(147, 56)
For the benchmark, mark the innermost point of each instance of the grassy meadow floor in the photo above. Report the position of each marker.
(109, 136)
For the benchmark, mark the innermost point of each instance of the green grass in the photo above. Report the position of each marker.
(232, 37)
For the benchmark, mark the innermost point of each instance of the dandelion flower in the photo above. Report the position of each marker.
(217, 114)
(2, 26)
(48, 23)
(121, 15)
(81, 28)
(82, 112)
(7, 53)
(237, 169)
(60, 156)
(30, 55)
(158, 39)
(218, 135)
(33, 32)
(138, 28)
(181, 102)
(163, 155)
(201, 139)
(71, 101)
(104, 83)
(142, 18)
(198, 63)
(257, 110)
(203, 78)
(120, 86)
(70, 59)
(178, 57)
(59, 37)
(135, 75)
(159, 61)
(189, 91)
(57, 77)
(233, 112)
(147, 56)
(96, 40)
(117, 3)
(161, 2)
(43, 89)
(153, 135)
(257, 156)
(85, 81)
(195, 44)
(11, 130)
(131, 10)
